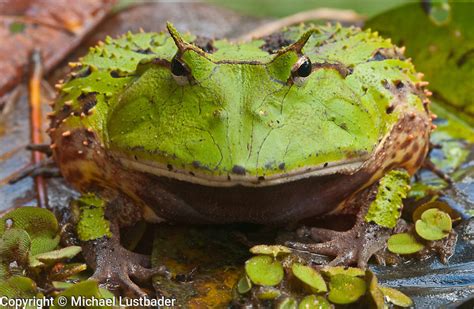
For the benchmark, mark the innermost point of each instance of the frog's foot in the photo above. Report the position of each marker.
(355, 246)
(115, 266)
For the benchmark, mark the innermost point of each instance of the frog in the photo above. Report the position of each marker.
(309, 122)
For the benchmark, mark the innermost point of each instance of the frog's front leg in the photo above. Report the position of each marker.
(379, 210)
(114, 266)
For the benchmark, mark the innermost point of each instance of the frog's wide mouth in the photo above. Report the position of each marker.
(348, 166)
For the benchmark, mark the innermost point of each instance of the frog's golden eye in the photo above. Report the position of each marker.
(180, 71)
(301, 69)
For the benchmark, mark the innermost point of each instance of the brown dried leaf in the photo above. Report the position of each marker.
(54, 26)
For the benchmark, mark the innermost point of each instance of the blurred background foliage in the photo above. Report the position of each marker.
(281, 8)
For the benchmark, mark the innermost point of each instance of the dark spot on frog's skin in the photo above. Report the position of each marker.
(115, 74)
(239, 170)
(206, 44)
(398, 84)
(465, 57)
(275, 42)
(378, 56)
(147, 51)
(66, 109)
(420, 158)
(281, 166)
(325, 164)
(191, 173)
(88, 101)
(82, 73)
(405, 144)
(261, 178)
(407, 157)
(390, 109)
(385, 84)
(169, 167)
(416, 147)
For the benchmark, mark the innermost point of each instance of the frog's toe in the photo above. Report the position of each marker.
(355, 246)
(115, 266)
(143, 274)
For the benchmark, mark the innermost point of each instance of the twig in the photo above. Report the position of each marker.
(322, 13)
(36, 124)
(10, 101)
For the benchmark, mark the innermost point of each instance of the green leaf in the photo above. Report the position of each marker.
(40, 224)
(403, 243)
(350, 271)
(287, 303)
(244, 285)
(314, 302)
(396, 297)
(15, 245)
(67, 271)
(267, 293)
(59, 255)
(434, 224)
(443, 206)
(274, 250)
(18, 287)
(344, 289)
(264, 270)
(87, 289)
(309, 276)
(374, 290)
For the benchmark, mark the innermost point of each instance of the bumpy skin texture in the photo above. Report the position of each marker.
(243, 139)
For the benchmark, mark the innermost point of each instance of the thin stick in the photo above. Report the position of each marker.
(322, 13)
(36, 124)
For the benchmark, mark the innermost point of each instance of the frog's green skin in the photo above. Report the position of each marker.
(241, 138)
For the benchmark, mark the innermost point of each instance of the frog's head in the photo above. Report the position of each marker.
(242, 115)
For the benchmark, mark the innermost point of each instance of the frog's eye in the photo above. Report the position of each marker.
(304, 67)
(180, 71)
(301, 69)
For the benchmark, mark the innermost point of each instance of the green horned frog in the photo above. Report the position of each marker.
(306, 123)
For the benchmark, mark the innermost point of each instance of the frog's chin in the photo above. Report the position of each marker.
(229, 180)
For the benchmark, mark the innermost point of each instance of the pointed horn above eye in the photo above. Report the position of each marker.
(177, 38)
(300, 43)
(181, 44)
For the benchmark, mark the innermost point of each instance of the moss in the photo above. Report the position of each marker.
(92, 223)
(385, 209)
